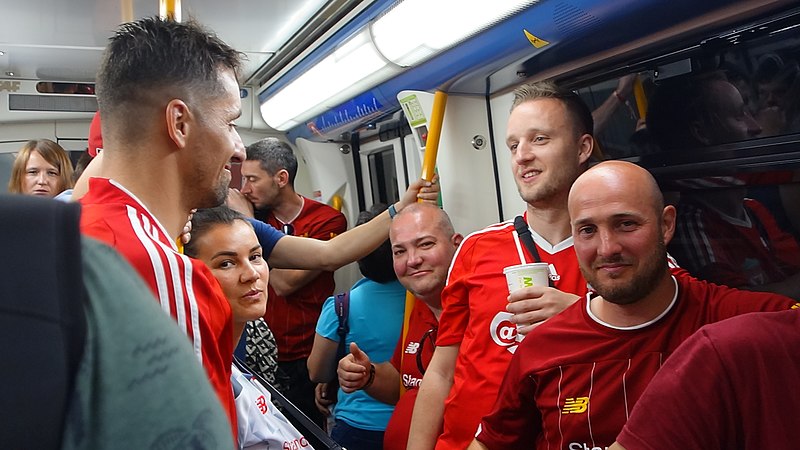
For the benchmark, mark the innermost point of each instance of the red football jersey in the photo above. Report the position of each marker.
(475, 317)
(575, 379)
(738, 252)
(293, 318)
(417, 348)
(184, 286)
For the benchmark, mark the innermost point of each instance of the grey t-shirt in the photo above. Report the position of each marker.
(139, 384)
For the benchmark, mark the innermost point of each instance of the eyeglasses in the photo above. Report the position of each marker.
(429, 335)
(288, 229)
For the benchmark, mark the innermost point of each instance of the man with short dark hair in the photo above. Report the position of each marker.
(295, 296)
(168, 95)
(549, 135)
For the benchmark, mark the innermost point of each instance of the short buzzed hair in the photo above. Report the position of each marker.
(582, 120)
(153, 60)
(273, 155)
(445, 225)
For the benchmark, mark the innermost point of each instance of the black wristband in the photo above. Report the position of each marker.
(371, 376)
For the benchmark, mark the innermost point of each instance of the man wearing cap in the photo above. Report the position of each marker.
(94, 168)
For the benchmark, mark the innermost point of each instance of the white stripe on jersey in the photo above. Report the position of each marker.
(155, 261)
(589, 407)
(195, 316)
(152, 245)
(558, 408)
(625, 389)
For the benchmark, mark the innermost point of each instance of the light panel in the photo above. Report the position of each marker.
(409, 33)
(415, 30)
(350, 68)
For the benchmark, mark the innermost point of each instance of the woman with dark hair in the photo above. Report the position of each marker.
(41, 168)
(375, 316)
(225, 241)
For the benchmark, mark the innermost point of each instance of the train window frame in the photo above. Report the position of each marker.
(734, 199)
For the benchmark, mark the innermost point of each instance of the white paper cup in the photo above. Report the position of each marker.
(526, 275)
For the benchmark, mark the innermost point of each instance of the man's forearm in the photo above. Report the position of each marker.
(386, 385)
(426, 422)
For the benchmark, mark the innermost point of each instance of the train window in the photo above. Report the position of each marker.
(47, 87)
(719, 127)
(383, 177)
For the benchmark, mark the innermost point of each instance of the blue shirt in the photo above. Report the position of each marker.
(267, 236)
(375, 320)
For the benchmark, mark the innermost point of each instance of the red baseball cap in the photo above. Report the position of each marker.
(95, 138)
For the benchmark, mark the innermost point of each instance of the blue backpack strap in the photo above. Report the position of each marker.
(342, 308)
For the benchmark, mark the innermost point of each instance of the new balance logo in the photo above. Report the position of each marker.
(575, 405)
(412, 348)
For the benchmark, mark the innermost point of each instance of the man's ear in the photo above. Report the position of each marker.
(283, 177)
(700, 132)
(668, 218)
(586, 146)
(456, 239)
(179, 121)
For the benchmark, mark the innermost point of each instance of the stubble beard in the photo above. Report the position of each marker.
(641, 284)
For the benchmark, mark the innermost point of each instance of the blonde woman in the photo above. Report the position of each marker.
(41, 168)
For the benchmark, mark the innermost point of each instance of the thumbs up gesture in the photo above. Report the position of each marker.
(354, 369)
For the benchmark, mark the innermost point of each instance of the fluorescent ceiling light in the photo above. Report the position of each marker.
(354, 66)
(415, 30)
(409, 33)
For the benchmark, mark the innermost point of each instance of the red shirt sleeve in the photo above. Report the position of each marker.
(455, 298)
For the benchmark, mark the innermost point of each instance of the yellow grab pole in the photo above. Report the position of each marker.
(428, 170)
(641, 99)
(170, 10)
(434, 133)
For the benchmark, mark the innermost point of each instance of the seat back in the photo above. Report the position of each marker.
(42, 322)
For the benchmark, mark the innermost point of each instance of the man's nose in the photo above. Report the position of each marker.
(609, 245)
(753, 128)
(239, 154)
(414, 258)
(524, 153)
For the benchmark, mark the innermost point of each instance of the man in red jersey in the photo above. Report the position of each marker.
(295, 296)
(423, 244)
(550, 138)
(574, 380)
(169, 97)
